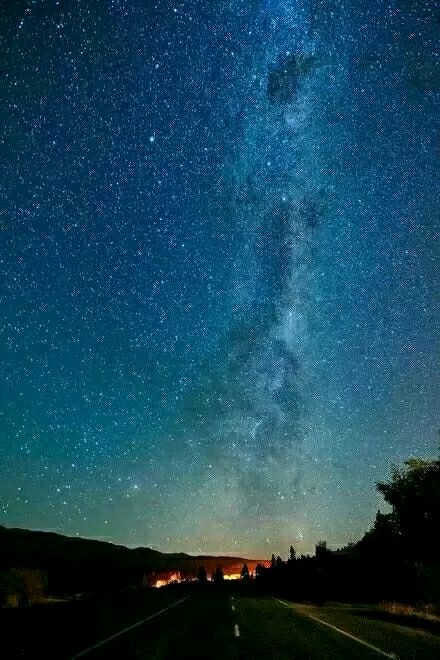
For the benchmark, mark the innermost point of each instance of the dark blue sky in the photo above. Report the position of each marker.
(220, 320)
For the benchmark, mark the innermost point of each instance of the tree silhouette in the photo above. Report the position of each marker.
(382, 540)
(218, 575)
(245, 573)
(321, 550)
(414, 495)
(202, 576)
(397, 560)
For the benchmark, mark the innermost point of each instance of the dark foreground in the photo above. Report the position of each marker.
(206, 622)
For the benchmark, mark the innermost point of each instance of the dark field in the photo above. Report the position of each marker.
(206, 622)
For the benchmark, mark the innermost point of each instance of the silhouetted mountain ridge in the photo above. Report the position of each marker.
(75, 564)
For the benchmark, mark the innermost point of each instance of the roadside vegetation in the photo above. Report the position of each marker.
(397, 560)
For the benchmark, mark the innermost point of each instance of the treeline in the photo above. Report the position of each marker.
(33, 564)
(398, 559)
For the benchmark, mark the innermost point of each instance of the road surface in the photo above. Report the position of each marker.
(223, 623)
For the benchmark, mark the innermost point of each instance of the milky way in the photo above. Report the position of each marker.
(219, 311)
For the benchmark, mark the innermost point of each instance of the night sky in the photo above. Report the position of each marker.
(219, 258)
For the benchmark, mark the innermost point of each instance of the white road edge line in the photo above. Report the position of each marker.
(356, 639)
(236, 630)
(122, 632)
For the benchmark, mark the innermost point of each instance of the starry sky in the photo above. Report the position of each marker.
(219, 249)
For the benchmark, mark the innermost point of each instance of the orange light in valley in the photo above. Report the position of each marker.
(174, 577)
(231, 570)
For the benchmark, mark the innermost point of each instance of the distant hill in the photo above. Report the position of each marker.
(75, 564)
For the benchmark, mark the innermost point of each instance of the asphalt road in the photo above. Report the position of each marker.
(226, 623)
(277, 629)
(222, 624)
